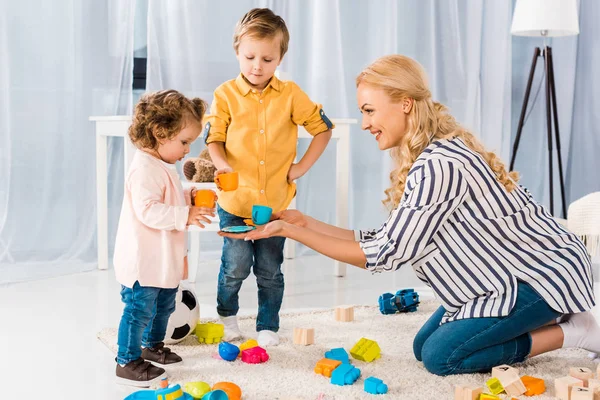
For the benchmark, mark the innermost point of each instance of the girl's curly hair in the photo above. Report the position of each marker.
(162, 115)
(402, 77)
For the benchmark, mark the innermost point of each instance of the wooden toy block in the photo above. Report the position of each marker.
(366, 350)
(503, 369)
(594, 384)
(582, 373)
(344, 313)
(467, 392)
(514, 387)
(562, 386)
(325, 366)
(304, 336)
(255, 355)
(345, 374)
(210, 332)
(533, 385)
(494, 385)
(582, 393)
(375, 386)
(248, 344)
(487, 396)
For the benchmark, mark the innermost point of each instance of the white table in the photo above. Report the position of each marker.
(118, 125)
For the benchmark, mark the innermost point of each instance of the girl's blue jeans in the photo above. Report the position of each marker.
(479, 344)
(144, 321)
(264, 257)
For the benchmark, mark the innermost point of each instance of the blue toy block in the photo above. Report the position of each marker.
(215, 395)
(345, 374)
(338, 354)
(375, 386)
(405, 300)
(228, 351)
(173, 392)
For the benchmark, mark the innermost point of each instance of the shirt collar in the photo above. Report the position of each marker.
(245, 88)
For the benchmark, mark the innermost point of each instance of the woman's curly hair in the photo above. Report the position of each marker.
(402, 77)
(162, 115)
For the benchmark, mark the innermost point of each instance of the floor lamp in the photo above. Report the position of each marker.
(545, 18)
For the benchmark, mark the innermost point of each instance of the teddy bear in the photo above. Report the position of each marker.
(200, 169)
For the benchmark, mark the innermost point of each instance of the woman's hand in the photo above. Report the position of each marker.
(196, 216)
(225, 170)
(293, 217)
(273, 228)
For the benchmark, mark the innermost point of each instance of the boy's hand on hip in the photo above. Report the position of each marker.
(295, 172)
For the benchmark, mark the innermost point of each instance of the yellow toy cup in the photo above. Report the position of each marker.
(227, 182)
(205, 198)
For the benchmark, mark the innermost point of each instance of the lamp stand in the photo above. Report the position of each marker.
(551, 114)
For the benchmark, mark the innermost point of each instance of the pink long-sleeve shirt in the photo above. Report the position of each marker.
(151, 238)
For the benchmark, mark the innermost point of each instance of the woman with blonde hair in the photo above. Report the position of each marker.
(513, 283)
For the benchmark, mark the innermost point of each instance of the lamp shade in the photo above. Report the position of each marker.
(545, 18)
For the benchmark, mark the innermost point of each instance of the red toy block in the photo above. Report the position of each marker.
(255, 355)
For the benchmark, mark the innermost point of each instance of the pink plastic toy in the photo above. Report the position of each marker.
(255, 355)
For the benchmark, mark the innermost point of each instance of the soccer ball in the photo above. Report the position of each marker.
(185, 317)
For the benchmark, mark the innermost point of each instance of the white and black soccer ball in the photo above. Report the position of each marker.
(184, 319)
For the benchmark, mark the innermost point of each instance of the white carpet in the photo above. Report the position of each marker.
(289, 372)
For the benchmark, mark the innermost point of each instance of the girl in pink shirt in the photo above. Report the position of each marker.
(150, 250)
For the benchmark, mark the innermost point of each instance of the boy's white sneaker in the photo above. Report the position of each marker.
(232, 330)
(267, 338)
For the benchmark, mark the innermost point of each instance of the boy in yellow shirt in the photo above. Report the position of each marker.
(253, 129)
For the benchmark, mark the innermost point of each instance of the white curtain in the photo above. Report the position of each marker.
(62, 61)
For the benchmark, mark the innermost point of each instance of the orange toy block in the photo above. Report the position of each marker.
(504, 369)
(467, 392)
(533, 385)
(233, 391)
(562, 386)
(585, 374)
(325, 366)
(582, 393)
(344, 313)
(304, 336)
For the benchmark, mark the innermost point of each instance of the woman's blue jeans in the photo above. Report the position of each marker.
(479, 344)
(264, 257)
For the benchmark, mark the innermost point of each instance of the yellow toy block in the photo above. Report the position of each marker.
(495, 386)
(533, 385)
(248, 344)
(325, 366)
(210, 332)
(487, 396)
(366, 350)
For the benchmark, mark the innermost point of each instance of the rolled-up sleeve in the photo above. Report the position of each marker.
(413, 224)
(217, 122)
(308, 114)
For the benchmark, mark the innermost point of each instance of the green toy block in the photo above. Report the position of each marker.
(196, 389)
(494, 385)
(210, 332)
(366, 350)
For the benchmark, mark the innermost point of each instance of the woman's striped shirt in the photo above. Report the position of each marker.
(471, 240)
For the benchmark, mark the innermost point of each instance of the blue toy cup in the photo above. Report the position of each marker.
(261, 214)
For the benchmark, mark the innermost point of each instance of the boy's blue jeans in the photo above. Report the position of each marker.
(479, 344)
(144, 321)
(264, 257)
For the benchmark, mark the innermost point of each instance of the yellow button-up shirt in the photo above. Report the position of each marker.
(260, 132)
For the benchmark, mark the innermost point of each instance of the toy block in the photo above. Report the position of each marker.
(344, 313)
(248, 344)
(375, 386)
(196, 389)
(494, 385)
(338, 353)
(533, 385)
(366, 350)
(503, 369)
(345, 374)
(255, 355)
(228, 351)
(233, 391)
(210, 332)
(214, 395)
(582, 373)
(582, 393)
(467, 392)
(326, 366)
(406, 300)
(562, 386)
(487, 396)
(514, 387)
(594, 384)
(304, 336)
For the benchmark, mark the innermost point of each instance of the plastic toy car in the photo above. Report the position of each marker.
(405, 300)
